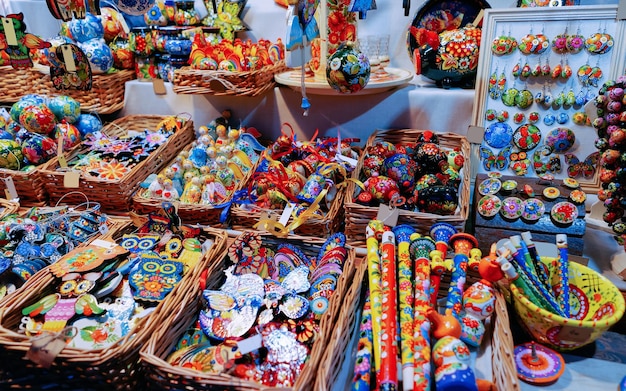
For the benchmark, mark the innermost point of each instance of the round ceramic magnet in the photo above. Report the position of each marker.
(512, 208)
(562, 118)
(495, 174)
(533, 209)
(551, 193)
(489, 186)
(490, 114)
(498, 135)
(549, 119)
(502, 116)
(526, 137)
(533, 117)
(519, 118)
(577, 196)
(509, 185)
(560, 139)
(489, 205)
(564, 212)
(571, 183)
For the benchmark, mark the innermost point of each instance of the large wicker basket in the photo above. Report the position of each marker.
(116, 196)
(161, 375)
(498, 341)
(115, 367)
(106, 95)
(216, 216)
(358, 216)
(15, 83)
(248, 83)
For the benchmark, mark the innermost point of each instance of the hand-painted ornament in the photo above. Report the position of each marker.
(28, 100)
(88, 123)
(156, 15)
(11, 155)
(70, 133)
(112, 24)
(65, 108)
(527, 137)
(123, 57)
(401, 168)
(155, 278)
(85, 29)
(73, 70)
(560, 139)
(38, 119)
(348, 70)
(134, 7)
(599, 43)
(19, 50)
(99, 55)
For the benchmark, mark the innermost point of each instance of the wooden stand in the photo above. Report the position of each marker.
(491, 229)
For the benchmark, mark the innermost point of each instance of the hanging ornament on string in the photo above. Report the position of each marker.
(67, 10)
(16, 42)
(362, 6)
(72, 70)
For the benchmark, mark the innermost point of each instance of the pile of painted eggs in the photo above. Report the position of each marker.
(29, 134)
(420, 176)
(611, 127)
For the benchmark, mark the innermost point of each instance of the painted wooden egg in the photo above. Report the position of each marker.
(348, 70)
(87, 124)
(99, 55)
(401, 168)
(65, 108)
(71, 135)
(38, 148)
(83, 30)
(112, 24)
(38, 119)
(156, 15)
(135, 7)
(10, 155)
(25, 101)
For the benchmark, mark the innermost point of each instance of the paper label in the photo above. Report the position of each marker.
(158, 85)
(9, 31)
(45, 348)
(388, 215)
(574, 334)
(4, 113)
(284, 218)
(104, 229)
(621, 10)
(349, 160)
(206, 245)
(475, 134)
(250, 344)
(10, 191)
(60, 156)
(104, 244)
(71, 179)
(68, 58)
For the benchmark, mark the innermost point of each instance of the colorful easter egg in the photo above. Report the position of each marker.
(87, 124)
(25, 101)
(38, 149)
(348, 70)
(65, 108)
(99, 55)
(10, 155)
(38, 119)
(70, 133)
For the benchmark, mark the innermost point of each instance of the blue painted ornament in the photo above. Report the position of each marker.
(38, 148)
(156, 15)
(99, 55)
(65, 108)
(90, 27)
(87, 124)
(25, 101)
(402, 169)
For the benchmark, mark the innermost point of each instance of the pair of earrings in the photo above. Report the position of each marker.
(496, 84)
(503, 44)
(520, 98)
(566, 43)
(589, 76)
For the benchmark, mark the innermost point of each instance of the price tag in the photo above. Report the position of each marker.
(349, 160)
(103, 228)
(45, 348)
(9, 31)
(475, 134)
(284, 218)
(158, 86)
(10, 191)
(250, 344)
(68, 58)
(574, 334)
(4, 113)
(388, 215)
(60, 156)
(71, 179)
(206, 245)
(104, 244)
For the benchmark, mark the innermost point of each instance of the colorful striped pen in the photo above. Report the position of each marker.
(534, 255)
(563, 262)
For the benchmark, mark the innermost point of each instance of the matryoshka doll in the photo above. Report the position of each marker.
(452, 371)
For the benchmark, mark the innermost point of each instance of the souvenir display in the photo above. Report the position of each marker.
(443, 43)
(611, 145)
(302, 180)
(276, 291)
(234, 55)
(40, 237)
(552, 72)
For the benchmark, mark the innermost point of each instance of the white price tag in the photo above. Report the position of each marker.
(104, 244)
(11, 191)
(250, 344)
(284, 218)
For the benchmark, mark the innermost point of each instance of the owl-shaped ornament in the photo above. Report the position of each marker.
(16, 42)
(86, 258)
(73, 70)
(72, 298)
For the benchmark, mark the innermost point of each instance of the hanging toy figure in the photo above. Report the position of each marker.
(17, 42)
(73, 71)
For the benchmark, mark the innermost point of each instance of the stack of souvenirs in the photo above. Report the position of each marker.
(276, 291)
(40, 238)
(29, 132)
(308, 176)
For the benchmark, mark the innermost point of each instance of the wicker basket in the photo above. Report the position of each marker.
(161, 375)
(115, 367)
(105, 97)
(15, 83)
(215, 216)
(504, 372)
(358, 216)
(8, 207)
(116, 196)
(249, 83)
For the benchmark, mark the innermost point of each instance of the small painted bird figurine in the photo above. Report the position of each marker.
(72, 299)
(19, 51)
(85, 259)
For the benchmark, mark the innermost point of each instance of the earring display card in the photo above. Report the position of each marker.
(538, 70)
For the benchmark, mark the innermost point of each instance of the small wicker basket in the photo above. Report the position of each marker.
(115, 367)
(161, 375)
(358, 216)
(15, 83)
(499, 336)
(116, 196)
(248, 83)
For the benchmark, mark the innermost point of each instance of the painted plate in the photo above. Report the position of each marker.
(512, 208)
(489, 205)
(498, 135)
(564, 212)
(489, 186)
(533, 209)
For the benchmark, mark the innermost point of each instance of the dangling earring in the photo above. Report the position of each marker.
(576, 42)
(545, 70)
(556, 71)
(493, 80)
(559, 43)
(570, 97)
(525, 70)
(517, 68)
(524, 98)
(547, 97)
(501, 83)
(567, 70)
(583, 73)
(540, 96)
(537, 69)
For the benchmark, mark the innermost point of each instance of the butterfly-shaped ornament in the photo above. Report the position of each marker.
(498, 161)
